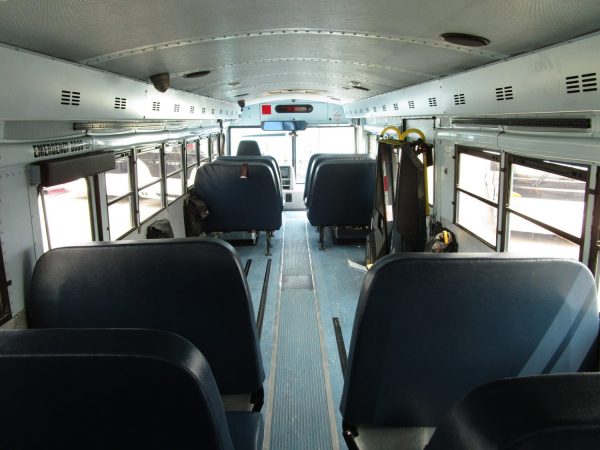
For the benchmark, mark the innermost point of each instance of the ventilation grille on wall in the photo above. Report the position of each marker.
(70, 98)
(384, 107)
(212, 111)
(203, 110)
(396, 107)
(192, 109)
(432, 101)
(155, 106)
(581, 83)
(459, 99)
(374, 109)
(504, 93)
(176, 108)
(120, 103)
(411, 104)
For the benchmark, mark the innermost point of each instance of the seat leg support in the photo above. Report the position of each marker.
(321, 238)
(268, 246)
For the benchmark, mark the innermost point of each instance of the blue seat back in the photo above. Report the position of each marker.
(431, 327)
(100, 389)
(236, 203)
(342, 192)
(529, 413)
(193, 287)
(248, 148)
(264, 158)
(314, 162)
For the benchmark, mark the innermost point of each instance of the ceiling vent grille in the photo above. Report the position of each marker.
(459, 99)
(581, 83)
(432, 101)
(192, 109)
(504, 93)
(176, 109)
(384, 107)
(120, 103)
(70, 98)
(411, 104)
(155, 106)
(396, 107)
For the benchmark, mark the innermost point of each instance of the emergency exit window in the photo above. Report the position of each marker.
(66, 214)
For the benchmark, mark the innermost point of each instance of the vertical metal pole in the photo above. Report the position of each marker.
(294, 135)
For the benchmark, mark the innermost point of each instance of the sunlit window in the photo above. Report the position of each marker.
(477, 190)
(149, 181)
(120, 198)
(321, 140)
(66, 216)
(430, 175)
(191, 160)
(546, 208)
(174, 171)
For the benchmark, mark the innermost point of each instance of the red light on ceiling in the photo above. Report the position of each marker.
(265, 109)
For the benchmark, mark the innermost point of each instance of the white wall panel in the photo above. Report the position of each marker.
(36, 87)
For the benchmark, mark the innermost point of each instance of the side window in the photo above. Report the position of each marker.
(476, 194)
(430, 175)
(149, 177)
(191, 161)
(545, 211)
(174, 171)
(66, 214)
(120, 196)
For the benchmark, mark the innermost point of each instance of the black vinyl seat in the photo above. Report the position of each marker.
(529, 413)
(193, 287)
(248, 148)
(241, 196)
(119, 389)
(342, 194)
(314, 162)
(431, 327)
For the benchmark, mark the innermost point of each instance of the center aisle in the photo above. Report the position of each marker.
(300, 412)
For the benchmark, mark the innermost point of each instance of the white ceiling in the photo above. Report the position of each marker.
(274, 45)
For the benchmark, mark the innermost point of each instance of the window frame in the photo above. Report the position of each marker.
(161, 181)
(44, 213)
(190, 167)
(493, 156)
(182, 171)
(555, 168)
(133, 210)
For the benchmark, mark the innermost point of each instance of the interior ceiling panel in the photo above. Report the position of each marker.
(398, 42)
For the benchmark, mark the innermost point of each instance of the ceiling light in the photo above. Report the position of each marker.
(466, 40)
(200, 73)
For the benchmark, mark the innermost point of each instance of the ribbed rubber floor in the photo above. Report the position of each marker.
(300, 416)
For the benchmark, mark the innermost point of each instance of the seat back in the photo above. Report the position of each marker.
(529, 413)
(100, 389)
(248, 148)
(238, 203)
(269, 160)
(431, 327)
(193, 287)
(342, 192)
(315, 160)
